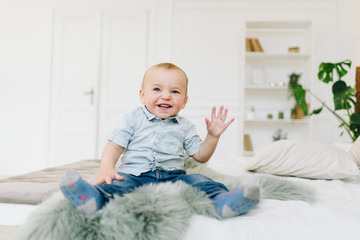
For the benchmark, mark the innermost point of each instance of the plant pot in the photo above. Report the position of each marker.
(299, 113)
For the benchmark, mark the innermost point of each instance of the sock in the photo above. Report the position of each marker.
(80, 193)
(237, 202)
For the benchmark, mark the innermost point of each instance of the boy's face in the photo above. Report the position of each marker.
(164, 92)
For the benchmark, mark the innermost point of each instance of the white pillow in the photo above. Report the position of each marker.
(355, 151)
(308, 159)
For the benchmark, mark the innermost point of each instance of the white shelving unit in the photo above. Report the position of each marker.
(266, 78)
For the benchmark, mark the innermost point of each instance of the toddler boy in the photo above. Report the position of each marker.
(152, 141)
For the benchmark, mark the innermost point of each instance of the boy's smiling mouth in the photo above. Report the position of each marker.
(164, 105)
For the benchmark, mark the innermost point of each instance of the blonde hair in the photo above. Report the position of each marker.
(166, 66)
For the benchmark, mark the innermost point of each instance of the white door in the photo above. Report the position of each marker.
(99, 59)
(124, 61)
(75, 77)
(207, 44)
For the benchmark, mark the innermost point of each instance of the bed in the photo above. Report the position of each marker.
(309, 190)
(21, 195)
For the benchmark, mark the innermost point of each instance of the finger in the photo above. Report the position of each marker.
(119, 177)
(224, 115)
(220, 112)
(207, 122)
(229, 122)
(213, 113)
(108, 180)
(98, 181)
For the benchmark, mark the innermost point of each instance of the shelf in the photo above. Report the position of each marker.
(249, 153)
(278, 25)
(278, 121)
(265, 87)
(279, 56)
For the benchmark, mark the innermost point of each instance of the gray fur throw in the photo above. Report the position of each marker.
(152, 212)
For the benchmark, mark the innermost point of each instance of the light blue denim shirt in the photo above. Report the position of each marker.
(152, 143)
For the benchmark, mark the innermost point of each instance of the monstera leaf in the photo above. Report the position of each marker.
(343, 95)
(326, 70)
(355, 124)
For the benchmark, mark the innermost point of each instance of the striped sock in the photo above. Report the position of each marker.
(237, 202)
(80, 193)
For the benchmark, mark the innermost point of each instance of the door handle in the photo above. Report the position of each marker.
(91, 93)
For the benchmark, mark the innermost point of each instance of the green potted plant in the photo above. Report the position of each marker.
(343, 96)
(296, 91)
(279, 135)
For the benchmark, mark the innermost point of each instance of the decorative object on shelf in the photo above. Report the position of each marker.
(294, 49)
(293, 113)
(253, 45)
(297, 113)
(345, 97)
(257, 75)
(269, 116)
(281, 115)
(247, 143)
(279, 135)
(278, 84)
(250, 115)
(296, 91)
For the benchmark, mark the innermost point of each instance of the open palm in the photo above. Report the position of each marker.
(217, 125)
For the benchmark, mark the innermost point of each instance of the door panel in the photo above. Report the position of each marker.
(124, 60)
(75, 73)
(209, 53)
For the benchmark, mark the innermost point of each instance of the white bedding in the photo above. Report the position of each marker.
(15, 214)
(334, 215)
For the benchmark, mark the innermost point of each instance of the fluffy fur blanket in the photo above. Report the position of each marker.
(160, 211)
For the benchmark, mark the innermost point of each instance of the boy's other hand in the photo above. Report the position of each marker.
(217, 125)
(107, 176)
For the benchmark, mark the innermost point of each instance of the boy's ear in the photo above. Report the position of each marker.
(141, 95)
(185, 102)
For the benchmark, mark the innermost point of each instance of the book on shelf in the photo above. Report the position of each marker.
(249, 47)
(294, 49)
(253, 45)
(247, 143)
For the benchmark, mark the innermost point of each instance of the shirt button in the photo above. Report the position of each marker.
(154, 153)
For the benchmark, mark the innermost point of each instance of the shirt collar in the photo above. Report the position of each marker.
(151, 116)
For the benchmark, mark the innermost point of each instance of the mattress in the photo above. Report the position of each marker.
(334, 215)
(34, 187)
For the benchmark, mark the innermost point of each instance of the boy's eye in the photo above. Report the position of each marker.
(175, 92)
(156, 89)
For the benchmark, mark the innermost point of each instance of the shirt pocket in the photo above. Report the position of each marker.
(174, 143)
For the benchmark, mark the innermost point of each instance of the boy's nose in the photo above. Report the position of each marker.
(166, 95)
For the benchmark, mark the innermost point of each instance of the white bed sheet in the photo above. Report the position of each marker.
(334, 215)
(15, 214)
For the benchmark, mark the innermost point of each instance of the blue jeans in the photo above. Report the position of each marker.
(198, 181)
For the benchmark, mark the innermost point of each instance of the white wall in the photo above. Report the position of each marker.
(25, 65)
(24, 86)
(343, 45)
(347, 33)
